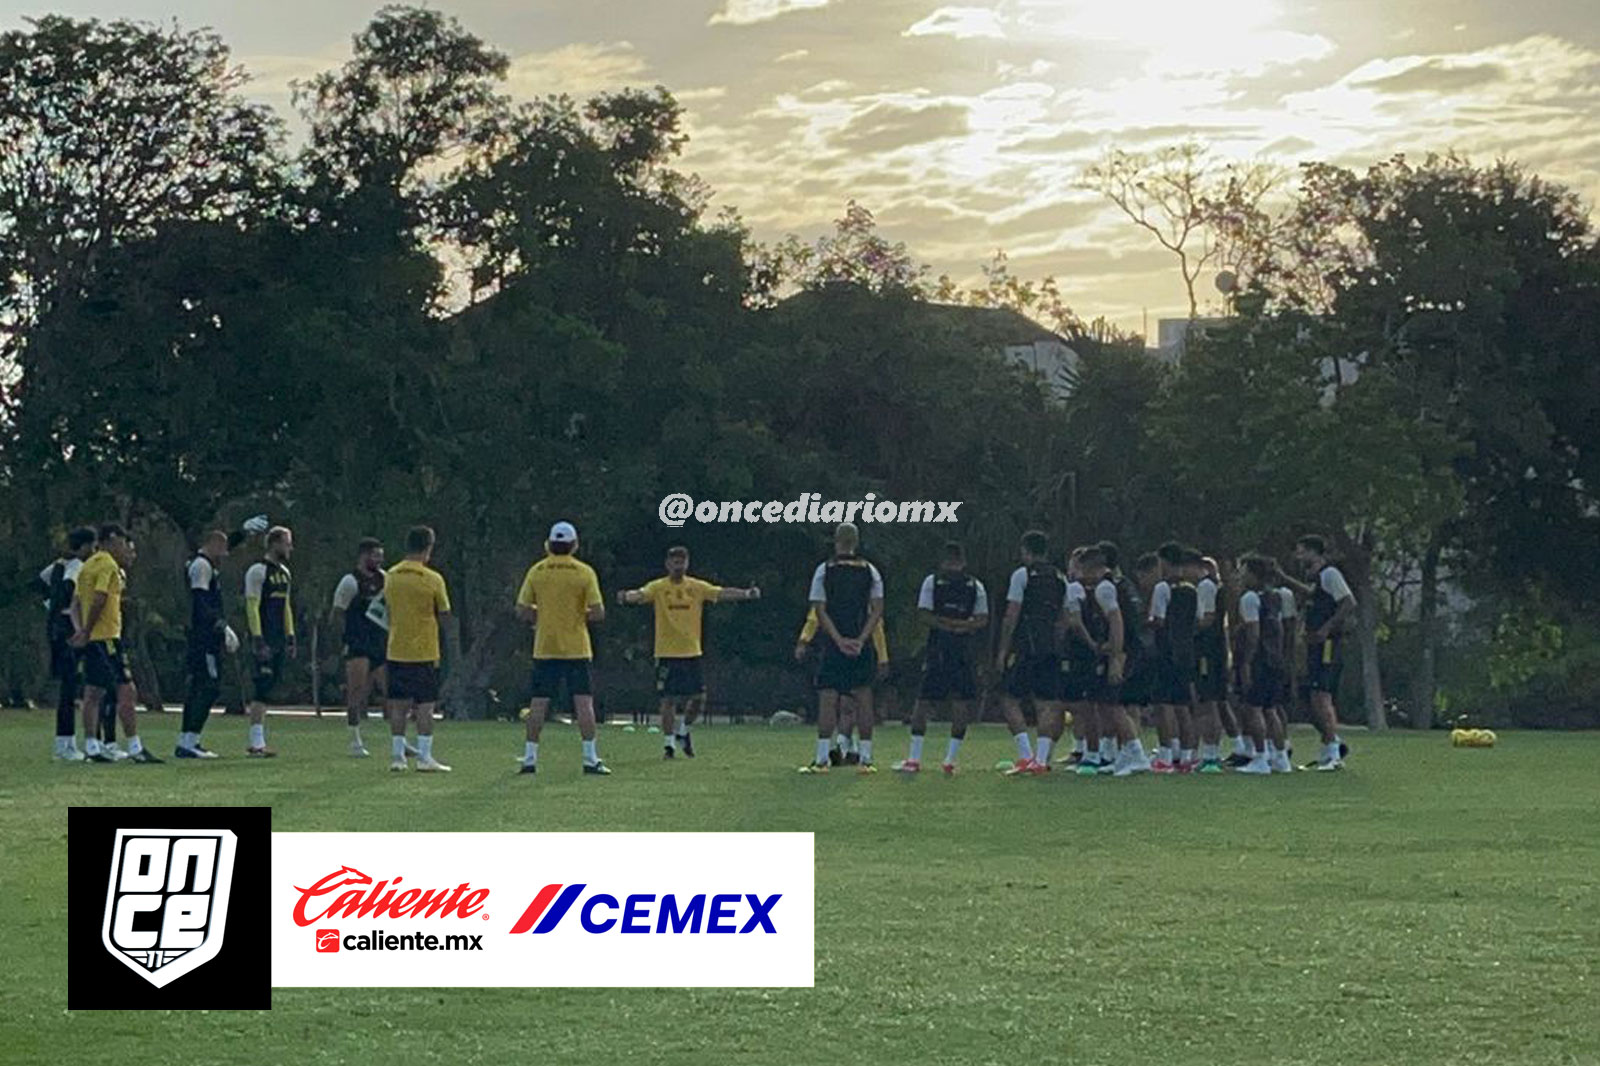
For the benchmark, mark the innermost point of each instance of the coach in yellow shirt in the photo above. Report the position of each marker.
(416, 604)
(679, 602)
(97, 609)
(559, 597)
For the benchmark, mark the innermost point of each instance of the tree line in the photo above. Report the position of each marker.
(446, 306)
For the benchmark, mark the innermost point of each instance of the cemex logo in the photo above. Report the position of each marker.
(166, 901)
(645, 912)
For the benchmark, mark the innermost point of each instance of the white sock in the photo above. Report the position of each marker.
(1079, 746)
(915, 755)
(1042, 750)
(1163, 753)
(1239, 745)
(822, 752)
(841, 742)
(397, 745)
(855, 746)
(1272, 749)
(530, 751)
(1187, 754)
(589, 755)
(258, 736)
(135, 745)
(866, 750)
(425, 746)
(951, 749)
(91, 745)
(1136, 750)
(1024, 745)
(1330, 752)
(1107, 749)
(355, 734)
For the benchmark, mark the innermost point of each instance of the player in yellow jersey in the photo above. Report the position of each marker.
(679, 602)
(97, 610)
(560, 597)
(417, 606)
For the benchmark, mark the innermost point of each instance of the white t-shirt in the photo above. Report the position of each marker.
(68, 573)
(255, 579)
(1018, 582)
(1105, 594)
(345, 592)
(1160, 599)
(980, 606)
(1288, 608)
(1334, 584)
(200, 573)
(1250, 606)
(1075, 597)
(1206, 593)
(819, 594)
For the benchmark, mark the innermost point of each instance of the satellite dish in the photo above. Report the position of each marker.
(1227, 282)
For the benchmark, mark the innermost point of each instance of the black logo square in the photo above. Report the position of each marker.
(167, 908)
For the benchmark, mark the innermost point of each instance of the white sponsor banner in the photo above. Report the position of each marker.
(523, 910)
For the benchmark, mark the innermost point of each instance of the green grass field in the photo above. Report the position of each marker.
(1429, 905)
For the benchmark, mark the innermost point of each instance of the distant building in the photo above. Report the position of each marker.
(1018, 339)
(1172, 336)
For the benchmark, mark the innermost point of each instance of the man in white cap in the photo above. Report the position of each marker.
(560, 597)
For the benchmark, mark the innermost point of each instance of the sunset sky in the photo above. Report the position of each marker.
(965, 127)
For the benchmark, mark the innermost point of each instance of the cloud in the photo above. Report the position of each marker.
(886, 127)
(1437, 76)
(576, 69)
(746, 12)
(960, 22)
(790, 57)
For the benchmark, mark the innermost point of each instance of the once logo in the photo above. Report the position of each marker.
(167, 901)
(327, 940)
(360, 901)
(646, 912)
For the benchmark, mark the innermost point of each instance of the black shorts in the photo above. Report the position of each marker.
(1034, 677)
(1079, 678)
(105, 665)
(1210, 679)
(680, 676)
(1174, 682)
(1325, 665)
(550, 674)
(265, 674)
(839, 673)
(948, 677)
(375, 656)
(416, 682)
(1265, 688)
(1138, 683)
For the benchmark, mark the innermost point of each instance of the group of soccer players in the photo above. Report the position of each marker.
(1208, 654)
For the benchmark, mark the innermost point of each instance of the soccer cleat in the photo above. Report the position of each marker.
(262, 752)
(1162, 766)
(204, 752)
(668, 753)
(1039, 769)
(1257, 767)
(815, 768)
(1131, 767)
(1088, 769)
(835, 757)
(529, 768)
(1344, 751)
(1181, 767)
(1236, 760)
(687, 744)
(99, 756)
(866, 768)
(358, 750)
(113, 753)
(597, 767)
(908, 766)
(1210, 766)
(949, 769)
(431, 765)
(70, 755)
(1280, 763)
(1107, 767)
(1071, 758)
(185, 753)
(145, 755)
(1330, 764)
(1018, 768)
(398, 765)
(852, 758)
